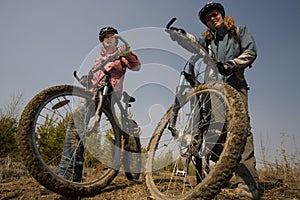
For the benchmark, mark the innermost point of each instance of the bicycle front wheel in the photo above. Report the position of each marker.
(57, 148)
(194, 164)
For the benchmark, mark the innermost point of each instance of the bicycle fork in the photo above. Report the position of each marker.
(99, 100)
(176, 107)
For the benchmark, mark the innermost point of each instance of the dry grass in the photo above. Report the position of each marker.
(278, 180)
(10, 170)
(282, 177)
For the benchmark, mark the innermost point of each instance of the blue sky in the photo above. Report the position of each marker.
(42, 42)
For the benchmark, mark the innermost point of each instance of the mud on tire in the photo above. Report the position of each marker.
(162, 181)
(41, 162)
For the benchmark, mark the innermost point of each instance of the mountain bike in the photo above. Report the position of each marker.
(102, 128)
(198, 142)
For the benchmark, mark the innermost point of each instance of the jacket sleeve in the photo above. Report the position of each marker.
(248, 50)
(133, 62)
(188, 42)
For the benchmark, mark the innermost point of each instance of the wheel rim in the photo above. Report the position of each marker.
(52, 121)
(168, 154)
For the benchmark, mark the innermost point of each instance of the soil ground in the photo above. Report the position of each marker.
(28, 188)
(279, 183)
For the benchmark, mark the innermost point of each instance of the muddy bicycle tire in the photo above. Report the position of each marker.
(132, 159)
(161, 180)
(56, 102)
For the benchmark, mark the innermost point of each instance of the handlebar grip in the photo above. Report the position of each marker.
(170, 22)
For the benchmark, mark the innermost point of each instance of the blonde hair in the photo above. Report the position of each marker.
(229, 24)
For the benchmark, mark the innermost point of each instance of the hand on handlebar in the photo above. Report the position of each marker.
(123, 50)
(179, 30)
(225, 68)
(176, 34)
(184, 39)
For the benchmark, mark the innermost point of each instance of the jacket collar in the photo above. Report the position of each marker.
(220, 32)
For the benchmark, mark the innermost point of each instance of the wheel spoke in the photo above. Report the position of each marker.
(197, 147)
(59, 145)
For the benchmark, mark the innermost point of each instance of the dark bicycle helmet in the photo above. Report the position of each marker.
(209, 8)
(106, 30)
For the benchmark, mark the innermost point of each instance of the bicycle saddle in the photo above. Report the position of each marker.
(127, 98)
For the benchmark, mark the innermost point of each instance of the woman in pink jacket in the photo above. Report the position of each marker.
(116, 68)
(73, 148)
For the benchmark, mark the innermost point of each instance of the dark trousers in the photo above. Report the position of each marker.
(246, 171)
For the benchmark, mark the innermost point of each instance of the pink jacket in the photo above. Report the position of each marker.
(116, 68)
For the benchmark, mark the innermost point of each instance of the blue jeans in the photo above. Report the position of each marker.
(71, 163)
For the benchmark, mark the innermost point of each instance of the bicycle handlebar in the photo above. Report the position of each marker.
(114, 56)
(194, 46)
(170, 22)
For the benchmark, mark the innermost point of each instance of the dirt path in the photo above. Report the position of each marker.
(29, 188)
(122, 189)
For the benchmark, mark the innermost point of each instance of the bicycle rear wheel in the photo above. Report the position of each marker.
(197, 162)
(42, 130)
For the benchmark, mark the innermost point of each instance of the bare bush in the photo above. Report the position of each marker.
(12, 110)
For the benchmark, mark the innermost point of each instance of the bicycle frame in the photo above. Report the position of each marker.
(104, 97)
(188, 75)
(187, 147)
(100, 95)
(192, 143)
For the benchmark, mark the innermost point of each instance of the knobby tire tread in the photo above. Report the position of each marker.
(126, 162)
(230, 156)
(31, 160)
